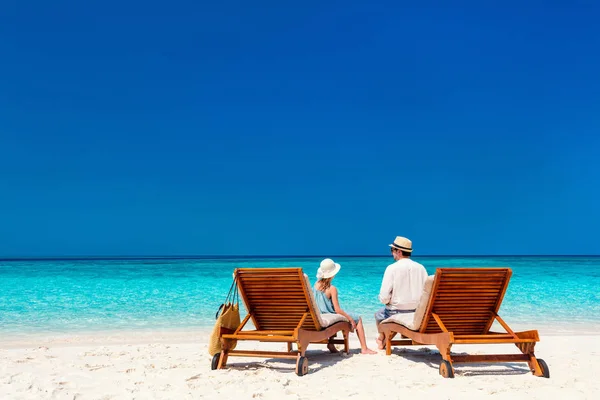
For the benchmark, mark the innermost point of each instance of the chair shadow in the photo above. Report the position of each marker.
(317, 360)
(432, 358)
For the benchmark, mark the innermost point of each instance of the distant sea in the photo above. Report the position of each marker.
(83, 295)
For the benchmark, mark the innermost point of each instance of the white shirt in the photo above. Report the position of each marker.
(402, 285)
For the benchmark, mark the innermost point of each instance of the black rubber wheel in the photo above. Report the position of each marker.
(215, 361)
(446, 369)
(544, 367)
(302, 366)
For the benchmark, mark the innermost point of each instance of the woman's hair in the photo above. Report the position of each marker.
(324, 283)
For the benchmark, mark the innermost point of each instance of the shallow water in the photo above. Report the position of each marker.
(87, 295)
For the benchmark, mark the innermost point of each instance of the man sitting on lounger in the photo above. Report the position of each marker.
(402, 284)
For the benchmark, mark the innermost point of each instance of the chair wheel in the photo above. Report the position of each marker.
(215, 361)
(544, 367)
(446, 369)
(302, 366)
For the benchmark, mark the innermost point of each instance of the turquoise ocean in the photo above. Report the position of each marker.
(87, 295)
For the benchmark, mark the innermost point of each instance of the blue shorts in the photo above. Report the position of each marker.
(385, 313)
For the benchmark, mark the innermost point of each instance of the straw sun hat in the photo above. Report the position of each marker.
(402, 243)
(328, 269)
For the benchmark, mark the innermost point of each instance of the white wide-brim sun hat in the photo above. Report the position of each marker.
(328, 269)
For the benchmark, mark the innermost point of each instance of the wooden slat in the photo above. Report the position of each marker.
(279, 319)
(466, 294)
(464, 299)
(484, 305)
(475, 358)
(277, 295)
(272, 277)
(277, 310)
(492, 341)
(267, 271)
(473, 280)
(266, 301)
(276, 313)
(481, 279)
(474, 301)
(402, 342)
(466, 318)
(270, 332)
(284, 289)
(265, 354)
(492, 336)
(261, 338)
(462, 317)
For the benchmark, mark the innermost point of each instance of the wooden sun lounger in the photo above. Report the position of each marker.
(280, 304)
(461, 308)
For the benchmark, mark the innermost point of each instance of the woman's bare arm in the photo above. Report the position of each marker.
(337, 308)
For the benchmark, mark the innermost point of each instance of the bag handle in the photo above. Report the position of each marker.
(236, 295)
(219, 310)
(232, 296)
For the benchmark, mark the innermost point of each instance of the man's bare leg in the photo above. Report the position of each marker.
(380, 336)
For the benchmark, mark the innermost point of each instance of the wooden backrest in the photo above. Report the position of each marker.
(277, 298)
(466, 299)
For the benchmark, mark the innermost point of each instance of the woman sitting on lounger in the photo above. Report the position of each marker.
(326, 296)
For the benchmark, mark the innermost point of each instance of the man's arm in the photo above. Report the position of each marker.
(385, 293)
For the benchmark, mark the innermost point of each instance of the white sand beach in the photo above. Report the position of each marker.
(176, 365)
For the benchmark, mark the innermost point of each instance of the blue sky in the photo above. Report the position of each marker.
(325, 128)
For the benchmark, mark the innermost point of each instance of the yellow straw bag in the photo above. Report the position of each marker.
(228, 316)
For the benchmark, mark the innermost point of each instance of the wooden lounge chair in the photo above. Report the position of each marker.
(281, 305)
(458, 306)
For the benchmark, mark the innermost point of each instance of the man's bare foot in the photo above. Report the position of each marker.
(332, 348)
(367, 351)
(380, 344)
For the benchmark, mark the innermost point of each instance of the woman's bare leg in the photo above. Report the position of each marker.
(360, 331)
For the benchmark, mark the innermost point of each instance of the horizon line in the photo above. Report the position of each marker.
(200, 257)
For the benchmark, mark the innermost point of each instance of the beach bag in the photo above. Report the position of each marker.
(227, 316)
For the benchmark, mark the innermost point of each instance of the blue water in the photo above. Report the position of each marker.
(87, 295)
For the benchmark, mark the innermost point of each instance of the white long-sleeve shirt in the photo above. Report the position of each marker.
(402, 285)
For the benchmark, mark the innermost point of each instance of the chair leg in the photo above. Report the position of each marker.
(388, 336)
(528, 349)
(289, 347)
(534, 366)
(302, 344)
(346, 342)
(301, 360)
(446, 367)
(444, 349)
(222, 360)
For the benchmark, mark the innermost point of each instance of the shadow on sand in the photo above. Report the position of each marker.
(317, 360)
(432, 358)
